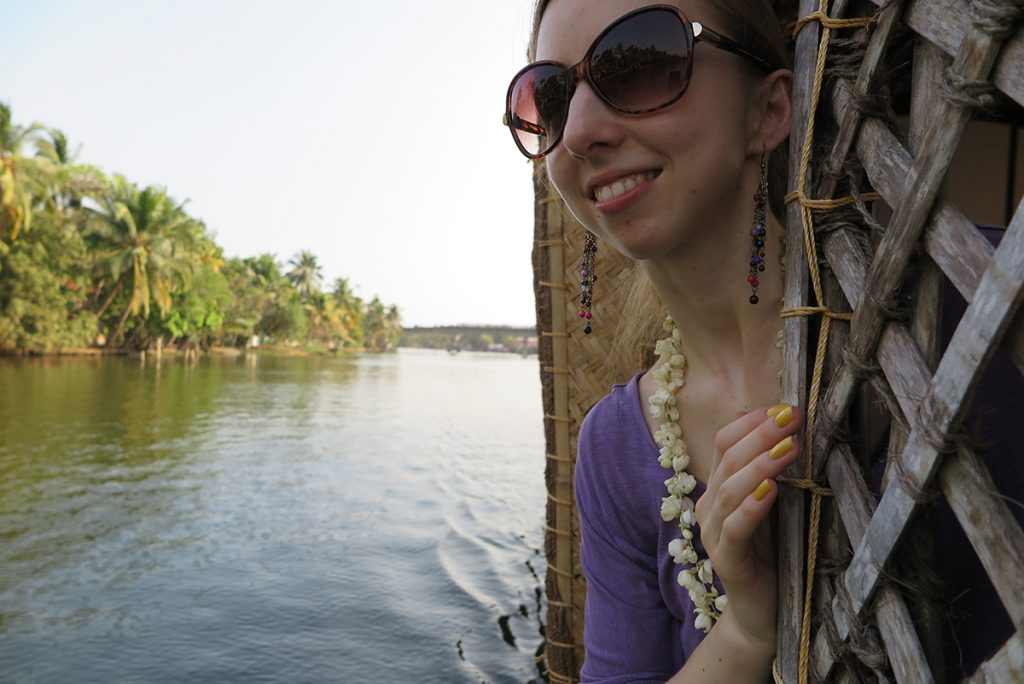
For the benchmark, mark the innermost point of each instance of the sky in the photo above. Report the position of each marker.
(367, 132)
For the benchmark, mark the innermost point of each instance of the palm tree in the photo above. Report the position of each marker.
(306, 275)
(382, 326)
(23, 180)
(70, 182)
(350, 308)
(146, 244)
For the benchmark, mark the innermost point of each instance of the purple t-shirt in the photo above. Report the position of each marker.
(638, 621)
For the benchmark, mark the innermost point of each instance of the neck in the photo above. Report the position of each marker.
(726, 339)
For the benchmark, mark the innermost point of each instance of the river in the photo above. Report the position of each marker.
(271, 519)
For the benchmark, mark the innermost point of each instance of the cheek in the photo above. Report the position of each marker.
(560, 177)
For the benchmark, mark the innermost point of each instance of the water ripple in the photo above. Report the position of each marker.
(271, 519)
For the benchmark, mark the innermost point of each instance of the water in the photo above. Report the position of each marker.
(271, 519)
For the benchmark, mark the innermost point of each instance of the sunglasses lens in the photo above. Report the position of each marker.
(642, 64)
(538, 102)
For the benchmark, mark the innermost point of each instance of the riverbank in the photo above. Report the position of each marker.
(306, 350)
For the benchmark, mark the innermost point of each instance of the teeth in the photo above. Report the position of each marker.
(621, 186)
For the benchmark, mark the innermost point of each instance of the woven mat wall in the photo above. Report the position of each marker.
(576, 371)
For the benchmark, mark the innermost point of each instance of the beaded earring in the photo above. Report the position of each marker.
(587, 280)
(757, 233)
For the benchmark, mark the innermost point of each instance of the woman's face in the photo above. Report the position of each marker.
(654, 183)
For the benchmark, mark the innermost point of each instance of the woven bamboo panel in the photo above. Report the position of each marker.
(576, 370)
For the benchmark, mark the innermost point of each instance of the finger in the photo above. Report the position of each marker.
(766, 466)
(769, 432)
(740, 527)
(728, 436)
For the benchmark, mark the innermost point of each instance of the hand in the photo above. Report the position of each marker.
(733, 512)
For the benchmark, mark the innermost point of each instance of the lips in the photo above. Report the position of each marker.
(620, 186)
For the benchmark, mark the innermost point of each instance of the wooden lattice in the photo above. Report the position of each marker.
(860, 624)
(960, 50)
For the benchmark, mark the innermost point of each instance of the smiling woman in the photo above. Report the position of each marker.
(656, 141)
(670, 151)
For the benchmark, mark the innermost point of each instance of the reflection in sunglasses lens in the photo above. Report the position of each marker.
(640, 65)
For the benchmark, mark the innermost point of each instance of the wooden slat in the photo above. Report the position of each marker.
(951, 240)
(874, 58)
(999, 541)
(973, 61)
(925, 329)
(990, 527)
(946, 23)
(972, 346)
(901, 641)
(790, 504)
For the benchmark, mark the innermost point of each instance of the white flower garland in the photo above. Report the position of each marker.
(698, 578)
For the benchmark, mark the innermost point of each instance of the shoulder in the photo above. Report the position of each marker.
(619, 482)
(614, 432)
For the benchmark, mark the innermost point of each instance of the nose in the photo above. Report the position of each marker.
(591, 125)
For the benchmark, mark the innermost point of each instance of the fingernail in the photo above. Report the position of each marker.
(782, 448)
(777, 409)
(762, 490)
(785, 417)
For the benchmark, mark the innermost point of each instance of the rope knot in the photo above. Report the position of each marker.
(998, 19)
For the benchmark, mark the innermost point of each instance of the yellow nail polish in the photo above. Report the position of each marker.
(785, 417)
(762, 490)
(782, 448)
(777, 409)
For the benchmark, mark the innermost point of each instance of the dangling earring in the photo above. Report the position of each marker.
(757, 233)
(587, 279)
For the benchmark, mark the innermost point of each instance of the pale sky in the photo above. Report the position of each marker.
(367, 132)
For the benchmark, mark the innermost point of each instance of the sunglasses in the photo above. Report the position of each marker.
(640, 64)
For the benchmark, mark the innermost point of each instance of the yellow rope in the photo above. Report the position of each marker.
(560, 502)
(827, 316)
(829, 203)
(811, 310)
(560, 459)
(828, 22)
(560, 644)
(809, 485)
(559, 678)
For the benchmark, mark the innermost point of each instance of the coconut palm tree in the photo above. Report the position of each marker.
(146, 242)
(350, 309)
(70, 182)
(306, 275)
(23, 179)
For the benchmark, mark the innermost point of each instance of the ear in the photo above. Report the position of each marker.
(773, 113)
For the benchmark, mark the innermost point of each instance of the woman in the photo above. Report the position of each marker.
(659, 141)
(660, 138)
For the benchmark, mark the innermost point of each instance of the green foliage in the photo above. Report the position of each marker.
(43, 291)
(89, 259)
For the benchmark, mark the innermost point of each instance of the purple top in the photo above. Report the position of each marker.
(638, 621)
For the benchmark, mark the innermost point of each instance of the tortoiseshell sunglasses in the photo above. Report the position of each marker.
(639, 64)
